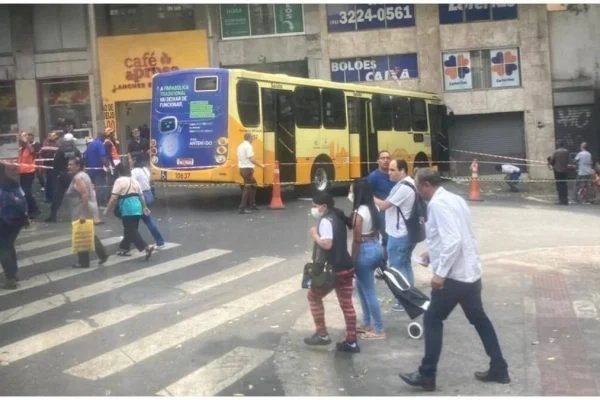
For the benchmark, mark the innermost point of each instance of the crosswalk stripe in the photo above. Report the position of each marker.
(126, 356)
(40, 306)
(64, 273)
(33, 233)
(63, 334)
(32, 260)
(37, 244)
(215, 376)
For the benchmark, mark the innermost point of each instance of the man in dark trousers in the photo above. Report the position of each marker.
(559, 161)
(67, 150)
(456, 280)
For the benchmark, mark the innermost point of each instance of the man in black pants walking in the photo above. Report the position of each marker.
(66, 151)
(559, 161)
(456, 280)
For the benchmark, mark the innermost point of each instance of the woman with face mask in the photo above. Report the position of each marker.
(330, 235)
(367, 255)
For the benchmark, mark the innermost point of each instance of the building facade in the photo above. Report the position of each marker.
(498, 67)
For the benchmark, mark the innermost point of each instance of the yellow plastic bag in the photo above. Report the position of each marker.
(83, 236)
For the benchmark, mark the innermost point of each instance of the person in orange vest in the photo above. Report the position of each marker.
(110, 145)
(26, 163)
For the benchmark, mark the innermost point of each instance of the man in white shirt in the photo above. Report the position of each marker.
(456, 280)
(585, 172)
(512, 175)
(400, 201)
(246, 163)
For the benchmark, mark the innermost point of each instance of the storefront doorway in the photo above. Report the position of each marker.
(130, 115)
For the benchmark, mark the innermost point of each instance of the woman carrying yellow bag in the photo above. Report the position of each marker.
(82, 202)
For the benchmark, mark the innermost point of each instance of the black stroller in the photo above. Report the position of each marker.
(412, 299)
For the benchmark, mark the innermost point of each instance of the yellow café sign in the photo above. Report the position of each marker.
(128, 62)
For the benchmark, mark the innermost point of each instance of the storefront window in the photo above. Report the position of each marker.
(67, 106)
(8, 110)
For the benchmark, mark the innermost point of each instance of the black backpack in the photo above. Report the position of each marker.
(415, 224)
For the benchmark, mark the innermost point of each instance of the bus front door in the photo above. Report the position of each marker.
(359, 117)
(278, 117)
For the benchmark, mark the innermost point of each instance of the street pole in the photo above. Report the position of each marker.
(95, 93)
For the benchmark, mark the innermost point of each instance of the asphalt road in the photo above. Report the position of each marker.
(220, 310)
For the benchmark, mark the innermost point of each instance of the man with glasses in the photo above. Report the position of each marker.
(381, 185)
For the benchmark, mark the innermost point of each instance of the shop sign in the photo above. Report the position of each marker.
(235, 21)
(380, 68)
(457, 71)
(457, 13)
(505, 67)
(289, 18)
(356, 17)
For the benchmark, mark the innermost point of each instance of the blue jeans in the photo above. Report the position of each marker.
(151, 224)
(369, 257)
(399, 251)
(98, 177)
(443, 301)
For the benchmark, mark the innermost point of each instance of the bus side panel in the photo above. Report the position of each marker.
(354, 155)
(402, 146)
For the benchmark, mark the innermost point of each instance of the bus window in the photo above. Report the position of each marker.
(334, 109)
(206, 84)
(354, 116)
(307, 102)
(382, 112)
(247, 102)
(401, 107)
(418, 115)
(268, 110)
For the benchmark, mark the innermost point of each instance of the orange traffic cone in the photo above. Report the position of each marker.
(276, 203)
(474, 189)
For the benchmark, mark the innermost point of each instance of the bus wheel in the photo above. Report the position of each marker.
(322, 175)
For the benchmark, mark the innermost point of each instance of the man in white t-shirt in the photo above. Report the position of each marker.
(512, 175)
(399, 203)
(246, 163)
(585, 173)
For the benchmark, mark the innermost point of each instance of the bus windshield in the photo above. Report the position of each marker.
(189, 119)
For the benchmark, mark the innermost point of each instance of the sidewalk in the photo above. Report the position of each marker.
(539, 289)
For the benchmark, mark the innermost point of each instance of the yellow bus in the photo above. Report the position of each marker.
(319, 131)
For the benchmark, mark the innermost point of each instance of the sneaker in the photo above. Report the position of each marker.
(397, 308)
(317, 340)
(347, 347)
(253, 208)
(159, 246)
(10, 284)
(244, 211)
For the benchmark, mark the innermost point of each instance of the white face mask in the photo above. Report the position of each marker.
(315, 212)
(351, 197)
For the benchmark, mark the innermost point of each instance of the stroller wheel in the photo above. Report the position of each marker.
(415, 330)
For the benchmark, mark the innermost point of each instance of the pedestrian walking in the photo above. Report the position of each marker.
(83, 206)
(585, 175)
(138, 148)
(62, 179)
(27, 172)
(96, 163)
(127, 196)
(330, 235)
(46, 154)
(367, 255)
(398, 207)
(559, 162)
(246, 163)
(456, 280)
(13, 217)
(381, 185)
(112, 156)
(512, 175)
(142, 175)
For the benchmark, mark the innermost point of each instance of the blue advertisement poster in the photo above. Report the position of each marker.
(189, 119)
(351, 17)
(375, 68)
(457, 13)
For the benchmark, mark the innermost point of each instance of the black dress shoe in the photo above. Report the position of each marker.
(488, 376)
(416, 379)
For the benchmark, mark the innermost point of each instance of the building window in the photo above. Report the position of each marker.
(66, 105)
(307, 104)
(459, 13)
(334, 109)
(382, 112)
(127, 19)
(375, 68)
(481, 69)
(5, 34)
(247, 102)
(8, 111)
(59, 27)
(248, 20)
(358, 17)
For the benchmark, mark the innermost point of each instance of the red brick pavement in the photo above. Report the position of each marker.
(565, 369)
